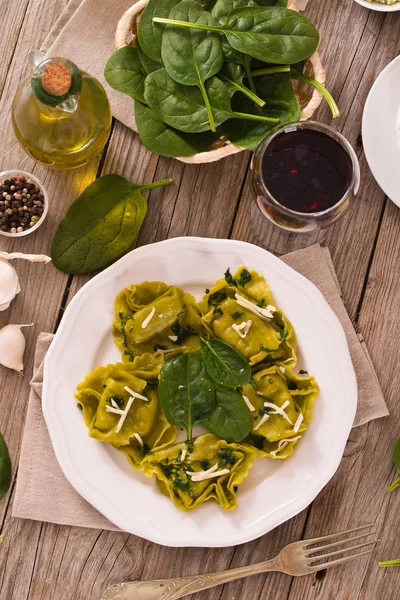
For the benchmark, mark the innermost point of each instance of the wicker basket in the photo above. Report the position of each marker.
(309, 98)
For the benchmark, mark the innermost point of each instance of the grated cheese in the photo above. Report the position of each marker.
(264, 418)
(113, 403)
(139, 439)
(266, 312)
(173, 338)
(299, 421)
(210, 473)
(124, 414)
(248, 403)
(183, 455)
(245, 326)
(278, 410)
(161, 316)
(148, 318)
(283, 443)
(282, 370)
(135, 394)
(116, 411)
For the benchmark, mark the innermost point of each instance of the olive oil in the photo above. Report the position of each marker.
(61, 115)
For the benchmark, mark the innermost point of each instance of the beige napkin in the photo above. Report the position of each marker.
(85, 33)
(43, 493)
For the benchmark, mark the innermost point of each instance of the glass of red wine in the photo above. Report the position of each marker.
(304, 178)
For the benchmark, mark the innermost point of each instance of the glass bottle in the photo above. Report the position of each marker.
(61, 115)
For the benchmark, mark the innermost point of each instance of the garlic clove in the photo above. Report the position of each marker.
(9, 283)
(12, 347)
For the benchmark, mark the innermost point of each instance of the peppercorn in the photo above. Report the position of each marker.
(21, 204)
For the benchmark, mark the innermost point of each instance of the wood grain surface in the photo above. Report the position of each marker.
(42, 561)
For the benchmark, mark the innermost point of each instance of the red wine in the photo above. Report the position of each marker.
(306, 170)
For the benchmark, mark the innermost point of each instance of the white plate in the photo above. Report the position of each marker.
(379, 7)
(275, 490)
(381, 130)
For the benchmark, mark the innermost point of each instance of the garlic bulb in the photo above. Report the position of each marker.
(12, 347)
(9, 282)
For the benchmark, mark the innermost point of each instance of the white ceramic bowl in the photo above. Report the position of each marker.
(378, 6)
(14, 173)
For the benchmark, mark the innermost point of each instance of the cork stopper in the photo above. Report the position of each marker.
(57, 79)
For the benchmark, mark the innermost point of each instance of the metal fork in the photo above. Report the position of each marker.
(299, 558)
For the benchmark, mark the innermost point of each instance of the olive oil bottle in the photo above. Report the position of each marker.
(61, 115)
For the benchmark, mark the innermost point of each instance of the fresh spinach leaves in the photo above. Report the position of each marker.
(101, 225)
(231, 419)
(186, 391)
(125, 73)
(191, 57)
(224, 364)
(150, 33)
(271, 34)
(396, 459)
(5, 468)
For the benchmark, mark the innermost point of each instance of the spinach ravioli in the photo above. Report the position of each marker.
(226, 363)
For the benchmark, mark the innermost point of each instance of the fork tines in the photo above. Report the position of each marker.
(314, 559)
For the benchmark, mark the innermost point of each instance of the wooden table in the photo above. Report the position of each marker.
(41, 561)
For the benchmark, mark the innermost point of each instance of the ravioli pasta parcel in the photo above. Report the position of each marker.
(226, 363)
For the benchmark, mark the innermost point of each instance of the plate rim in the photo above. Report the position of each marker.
(379, 7)
(368, 101)
(255, 530)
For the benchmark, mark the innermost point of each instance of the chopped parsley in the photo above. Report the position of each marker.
(303, 372)
(145, 450)
(244, 278)
(122, 321)
(217, 311)
(237, 314)
(292, 386)
(79, 405)
(261, 303)
(117, 399)
(226, 457)
(205, 465)
(235, 488)
(284, 335)
(270, 380)
(263, 411)
(216, 298)
(206, 291)
(150, 385)
(228, 277)
(300, 398)
(182, 333)
(253, 383)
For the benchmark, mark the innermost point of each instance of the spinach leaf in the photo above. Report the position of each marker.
(150, 33)
(189, 56)
(125, 73)
(183, 108)
(222, 8)
(186, 391)
(224, 364)
(231, 419)
(294, 74)
(5, 468)
(232, 75)
(271, 34)
(101, 225)
(149, 65)
(396, 458)
(281, 102)
(272, 3)
(158, 137)
(390, 563)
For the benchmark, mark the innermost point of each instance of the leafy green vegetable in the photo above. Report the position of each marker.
(125, 73)
(224, 364)
(186, 391)
(5, 468)
(149, 33)
(396, 459)
(183, 107)
(271, 70)
(232, 75)
(271, 34)
(294, 74)
(222, 8)
(101, 225)
(245, 278)
(158, 137)
(191, 57)
(281, 102)
(231, 419)
(149, 65)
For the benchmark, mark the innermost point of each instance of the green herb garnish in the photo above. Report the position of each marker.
(117, 399)
(217, 311)
(303, 372)
(157, 347)
(216, 298)
(284, 335)
(261, 303)
(206, 291)
(204, 464)
(270, 380)
(182, 333)
(265, 349)
(226, 457)
(79, 405)
(253, 384)
(228, 277)
(122, 321)
(244, 278)
(257, 441)
(237, 314)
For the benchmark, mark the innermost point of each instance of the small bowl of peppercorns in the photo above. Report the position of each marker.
(23, 203)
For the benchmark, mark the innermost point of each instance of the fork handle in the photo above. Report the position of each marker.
(172, 589)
